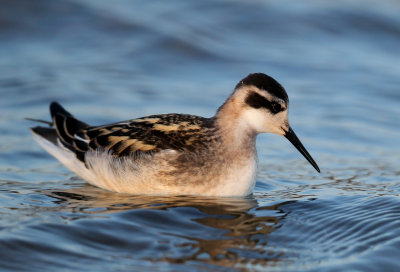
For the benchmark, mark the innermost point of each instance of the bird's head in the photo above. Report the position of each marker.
(262, 104)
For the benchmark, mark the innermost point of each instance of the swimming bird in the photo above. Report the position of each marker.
(175, 154)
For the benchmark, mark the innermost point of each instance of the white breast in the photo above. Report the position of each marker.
(239, 179)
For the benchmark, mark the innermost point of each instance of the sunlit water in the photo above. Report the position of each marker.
(108, 61)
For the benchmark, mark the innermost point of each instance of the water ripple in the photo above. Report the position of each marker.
(339, 64)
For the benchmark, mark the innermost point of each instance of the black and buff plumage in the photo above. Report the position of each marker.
(180, 132)
(175, 153)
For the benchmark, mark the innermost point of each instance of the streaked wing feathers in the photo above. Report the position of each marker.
(67, 127)
(144, 135)
(149, 134)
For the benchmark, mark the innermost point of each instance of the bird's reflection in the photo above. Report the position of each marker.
(242, 226)
(89, 199)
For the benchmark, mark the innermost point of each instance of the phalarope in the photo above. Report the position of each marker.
(175, 153)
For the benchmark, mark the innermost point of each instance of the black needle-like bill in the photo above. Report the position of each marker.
(291, 136)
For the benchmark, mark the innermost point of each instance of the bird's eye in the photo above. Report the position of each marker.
(276, 107)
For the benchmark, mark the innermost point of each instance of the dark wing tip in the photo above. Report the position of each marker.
(49, 134)
(65, 121)
(57, 109)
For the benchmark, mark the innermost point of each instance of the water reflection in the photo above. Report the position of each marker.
(111, 61)
(228, 232)
(89, 199)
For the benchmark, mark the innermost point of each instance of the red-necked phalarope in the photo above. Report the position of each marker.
(175, 153)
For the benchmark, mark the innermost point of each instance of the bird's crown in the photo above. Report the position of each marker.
(265, 83)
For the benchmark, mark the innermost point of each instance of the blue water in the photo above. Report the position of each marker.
(108, 61)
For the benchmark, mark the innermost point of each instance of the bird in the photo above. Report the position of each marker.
(175, 154)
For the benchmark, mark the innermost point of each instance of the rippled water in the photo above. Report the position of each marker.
(113, 60)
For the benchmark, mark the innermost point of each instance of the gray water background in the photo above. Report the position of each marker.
(107, 61)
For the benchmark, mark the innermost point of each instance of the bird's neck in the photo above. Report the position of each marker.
(235, 131)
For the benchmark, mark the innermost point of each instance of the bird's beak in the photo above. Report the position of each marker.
(291, 136)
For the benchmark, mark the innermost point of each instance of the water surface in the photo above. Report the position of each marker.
(106, 62)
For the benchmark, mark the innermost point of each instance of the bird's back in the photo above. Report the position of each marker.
(185, 133)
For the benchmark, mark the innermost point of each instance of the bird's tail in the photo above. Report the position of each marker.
(62, 130)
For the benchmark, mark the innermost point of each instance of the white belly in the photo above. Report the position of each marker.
(143, 177)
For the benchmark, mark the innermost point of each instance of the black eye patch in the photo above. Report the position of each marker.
(257, 101)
